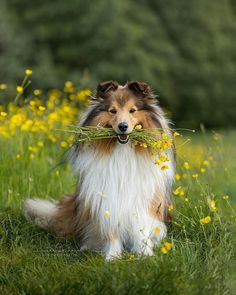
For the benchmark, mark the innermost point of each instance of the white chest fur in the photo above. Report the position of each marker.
(120, 185)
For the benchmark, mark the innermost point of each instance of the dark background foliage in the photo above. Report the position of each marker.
(185, 49)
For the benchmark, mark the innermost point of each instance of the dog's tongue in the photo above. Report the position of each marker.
(123, 136)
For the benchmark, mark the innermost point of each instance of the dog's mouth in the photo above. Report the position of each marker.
(123, 138)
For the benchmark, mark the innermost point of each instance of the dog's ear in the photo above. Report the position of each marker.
(106, 87)
(140, 88)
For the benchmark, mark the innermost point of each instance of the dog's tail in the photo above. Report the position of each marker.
(60, 218)
(41, 212)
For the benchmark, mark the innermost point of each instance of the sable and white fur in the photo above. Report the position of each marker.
(117, 178)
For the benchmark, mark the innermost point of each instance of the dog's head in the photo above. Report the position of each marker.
(123, 107)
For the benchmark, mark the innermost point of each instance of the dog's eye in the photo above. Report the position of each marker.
(132, 110)
(113, 111)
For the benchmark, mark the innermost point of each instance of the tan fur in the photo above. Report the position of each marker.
(101, 120)
(159, 209)
(67, 221)
(104, 146)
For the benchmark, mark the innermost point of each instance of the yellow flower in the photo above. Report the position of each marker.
(157, 230)
(32, 149)
(42, 108)
(167, 144)
(213, 206)
(32, 103)
(186, 165)
(226, 197)
(195, 175)
(176, 134)
(177, 176)
(164, 250)
(203, 170)
(170, 207)
(64, 144)
(37, 92)
(3, 86)
(107, 213)
(144, 145)
(168, 246)
(164, 167)
(138, 127)
(158, 162)
(28, 72)
(179, 191)
(164, 158)
(186, 200)
(40, 144)
(18, 156)
(31, 156)
(69, 88)
(52, 138)
(82, 95)
(205, 163)
(19, 89)
(68, 84)
(164, 136)
(27, 125)
(205, 220)
(3, 114)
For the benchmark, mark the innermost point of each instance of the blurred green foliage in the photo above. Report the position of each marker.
(185, 49)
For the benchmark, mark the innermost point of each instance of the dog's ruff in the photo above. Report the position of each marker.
(124, 184)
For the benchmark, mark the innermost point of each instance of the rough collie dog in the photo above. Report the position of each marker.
(122, 197)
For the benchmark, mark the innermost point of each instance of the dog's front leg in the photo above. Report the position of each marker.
(112, 248)
(142, 242)
(147, 233)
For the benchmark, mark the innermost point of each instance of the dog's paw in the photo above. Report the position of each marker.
(84, 248)
(112, 256)
(113, 250)
(148, 251)
(143, 248)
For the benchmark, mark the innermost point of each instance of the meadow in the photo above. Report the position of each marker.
(198, 255)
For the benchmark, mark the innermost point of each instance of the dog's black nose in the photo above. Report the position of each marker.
(123, 126)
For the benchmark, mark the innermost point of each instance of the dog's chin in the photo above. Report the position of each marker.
(123, 138)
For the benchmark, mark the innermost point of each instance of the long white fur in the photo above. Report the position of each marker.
(124, 184)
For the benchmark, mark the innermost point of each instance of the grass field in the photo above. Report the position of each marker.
(202, 234)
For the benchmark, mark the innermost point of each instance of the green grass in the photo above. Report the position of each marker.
(202, 260)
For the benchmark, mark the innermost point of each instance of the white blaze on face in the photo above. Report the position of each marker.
(124, 117)
(124, 114)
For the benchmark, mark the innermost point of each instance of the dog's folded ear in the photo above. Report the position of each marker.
(140, 88)
(104, 88)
